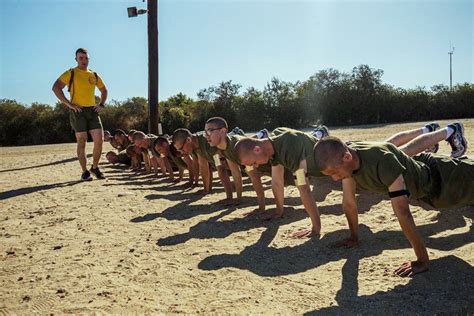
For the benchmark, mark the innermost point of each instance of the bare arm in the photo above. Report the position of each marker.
(196, 169)
(161, 164)
(225, 179)
(278, 188)
(137, 164)
(189, 163)
(103, 98)
(349, 206)
(168, 168)
(58, 92)
(256, 179)
(205, 173)
(103, 95)
(312, 209)
(146, 160)
(402, 211)
(308, 202)
(154, 164)
(237, 176)
(180, 174)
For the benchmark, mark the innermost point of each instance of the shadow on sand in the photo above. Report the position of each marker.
(265, 260)
(216, 228)
(46, 164)
(447, 289)
(13, 193)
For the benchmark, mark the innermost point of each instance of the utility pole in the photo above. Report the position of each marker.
(451, 52)
(154, 125)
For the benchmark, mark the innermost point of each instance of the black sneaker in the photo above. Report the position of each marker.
(97, 173)
(457, 140)
(86, 176)
(431, 128)
(237, 131)
(321, 131)
(262, 134)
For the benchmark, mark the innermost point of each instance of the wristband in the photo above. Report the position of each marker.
(101, 104)
(300, 177)
(217, 160)
(398, 193)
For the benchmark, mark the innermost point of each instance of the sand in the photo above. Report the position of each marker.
(138, 243)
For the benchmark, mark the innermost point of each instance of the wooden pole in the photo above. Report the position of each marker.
(154, 125)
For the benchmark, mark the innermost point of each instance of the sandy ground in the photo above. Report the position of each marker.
(138, 243)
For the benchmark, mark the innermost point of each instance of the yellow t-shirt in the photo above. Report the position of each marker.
(83, 86)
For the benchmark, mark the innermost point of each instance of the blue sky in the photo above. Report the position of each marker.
(202, 43)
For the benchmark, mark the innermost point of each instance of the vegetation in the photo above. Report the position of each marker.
(329, 96)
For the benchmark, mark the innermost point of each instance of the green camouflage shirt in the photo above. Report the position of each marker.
(291, 147)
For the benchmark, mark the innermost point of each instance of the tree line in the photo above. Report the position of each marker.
(328, 97)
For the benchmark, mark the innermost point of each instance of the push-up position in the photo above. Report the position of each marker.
(382, 167)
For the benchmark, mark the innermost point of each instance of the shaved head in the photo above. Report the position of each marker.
(245, 146)
(119, 132)
(161, 140)
(138, 136)
(111, 157)
(217, 121)
(181, 134)
(329, 152)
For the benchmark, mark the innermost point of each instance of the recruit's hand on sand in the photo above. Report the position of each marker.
(188, 185)
(347, 243)
(238, 200)
(273, 215)
(229, 201)
(202, 192)
(409, 269)
(260, 209)
(306, 233)
(253, 212)
(175, 180)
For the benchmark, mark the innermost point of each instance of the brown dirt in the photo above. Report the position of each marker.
(137, 243)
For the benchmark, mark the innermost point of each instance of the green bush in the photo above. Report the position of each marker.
(329, 96)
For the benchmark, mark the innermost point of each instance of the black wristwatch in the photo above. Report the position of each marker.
(101, 104)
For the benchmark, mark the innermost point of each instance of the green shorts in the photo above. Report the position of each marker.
(86, 120)
(451, 179)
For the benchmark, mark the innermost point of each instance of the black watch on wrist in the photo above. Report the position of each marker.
(101, 104)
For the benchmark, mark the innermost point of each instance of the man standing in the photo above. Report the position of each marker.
(84, 113)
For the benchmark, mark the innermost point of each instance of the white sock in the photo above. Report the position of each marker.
(318, 134)
(449, 131)
(426, 130)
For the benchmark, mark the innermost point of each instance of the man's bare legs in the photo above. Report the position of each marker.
(404, 137)
(98, 138)
(81, 138)
(415, 141)
(422, 142)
